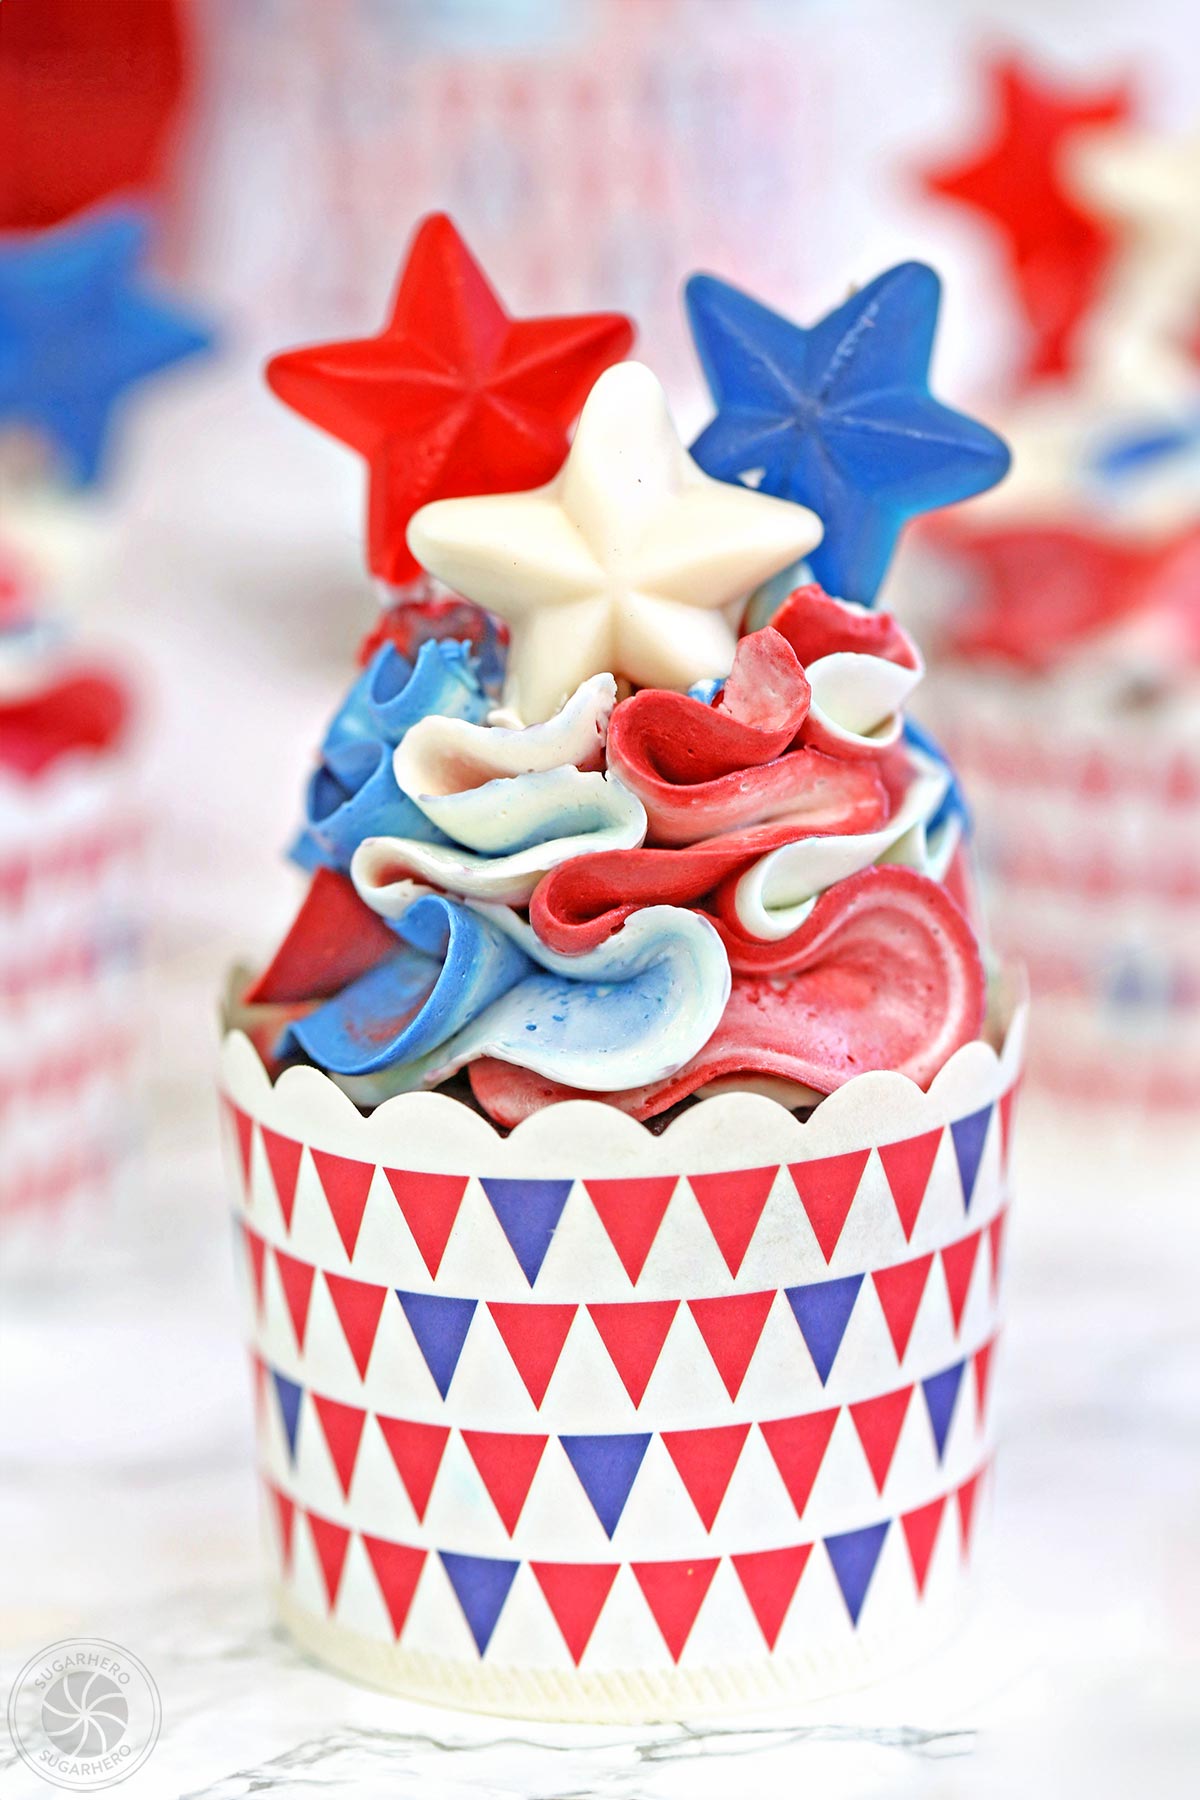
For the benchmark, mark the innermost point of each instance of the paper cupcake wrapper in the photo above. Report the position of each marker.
(1089, 846)
(72, 883)
(588, 1422)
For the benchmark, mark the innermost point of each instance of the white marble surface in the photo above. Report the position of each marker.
(127, 1503)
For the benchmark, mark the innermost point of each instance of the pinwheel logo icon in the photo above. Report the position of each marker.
(84, 1714)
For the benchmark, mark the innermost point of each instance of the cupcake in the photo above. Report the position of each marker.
(620, 1132)
(69, 889)
(1060, 609)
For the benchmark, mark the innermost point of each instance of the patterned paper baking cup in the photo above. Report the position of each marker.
(72, 885)
(591, 1423)
(1089, 847)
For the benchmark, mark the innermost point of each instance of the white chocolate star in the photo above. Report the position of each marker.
(631, 561)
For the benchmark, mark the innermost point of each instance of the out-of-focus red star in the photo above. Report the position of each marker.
(1057, 252)
(452, 397)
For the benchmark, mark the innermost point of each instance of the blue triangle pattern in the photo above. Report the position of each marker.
(854, 1555)
(941, 1393)
(290, 1394)
(440, 1325)
(481, 1584)
(970, 1135)
(607, 1467)
(528, 1212)
(822, 1310)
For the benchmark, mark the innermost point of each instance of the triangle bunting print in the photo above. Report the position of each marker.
(854, 1556)
(995, 1233)
(358, 1305)
(982, 1365)
(331, 1542)
(634, 1332)
(631, 1212)
(908, 1166)
(417, 1451)
(731, 1326)
(827, 1186)
(769, 1580)
(798, 1448)
(732, 1205)
(296, 1279)
(507, 1463)
(706, 1459)
(920, 1534)
(575, 1594)
(674, 1593)
(528, 1212)
(283, 1160)
(941, 1396)
(284, 1509)
(481, 1585)
(822, 1310)
(440, 1324)
(958, 1266)
(534, 1337)
(290, 1396)
(430, 1206)
(901, 1290)
(966, 1497)
(345, 1184)
(879, 1423)
(1007, 1102)
(970, 1135)
(607, 1465)
(397, 1570)
(343, 1428)
(243, 1132)
(256, 1259)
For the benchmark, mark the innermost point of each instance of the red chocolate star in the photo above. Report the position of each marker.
(452, 397)
(1057, 252)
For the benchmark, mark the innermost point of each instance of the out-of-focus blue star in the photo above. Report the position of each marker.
(839, 416)
(78, 327)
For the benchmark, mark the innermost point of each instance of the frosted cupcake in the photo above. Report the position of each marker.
(621, 1128)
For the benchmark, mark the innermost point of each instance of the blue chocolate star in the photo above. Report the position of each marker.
(839, 416)
(78, 326)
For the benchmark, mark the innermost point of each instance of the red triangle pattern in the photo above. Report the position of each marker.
(879, 1423)
(920, 1534)
(631, 1212)
(296, 1279)
(1007, 1102)
(798, 1446)
(243, 1127)
(430, 1206)
(397, 1570)
(733, 1204)
(343, 1428)
(258, 1380)
(633, 1333)
(908, 1166)
(331, 1543)
(731, 1326)
(284, 1508)
(283, 1160)
(507, 1463)
(256, 1256)
(575, 1594)
(981, 1362)
(706, 1460)
(534, 1337)
(675, 1593)
(901, 1290)
(827, 1186)
(995, 1233)
(958, 1265)
(966, 1497)
(417, 1451)
(358, 1305)
(345, 1184)
(769, 1579)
